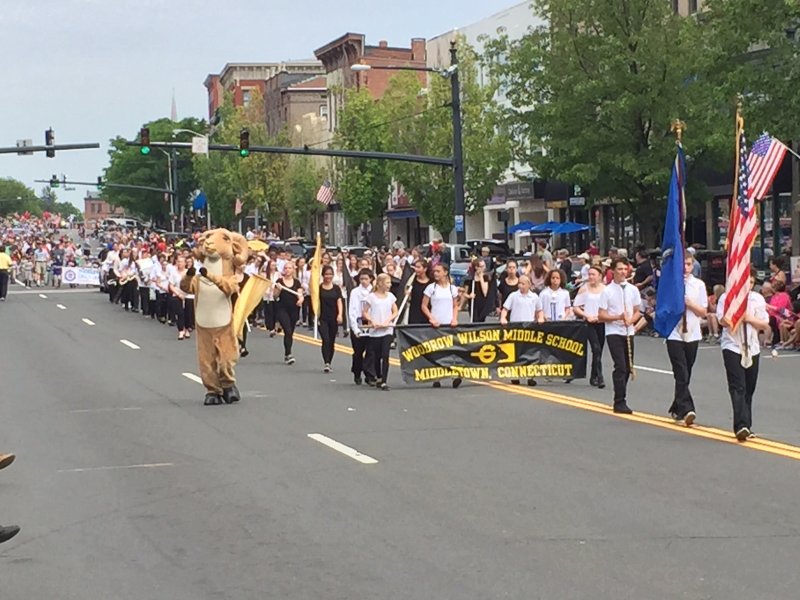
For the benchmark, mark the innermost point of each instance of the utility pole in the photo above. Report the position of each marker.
(174, 200)
(795, 201)
(458, 158)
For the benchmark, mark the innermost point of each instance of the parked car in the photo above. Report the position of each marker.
(497, 248)
(357, 250)
(458, 252)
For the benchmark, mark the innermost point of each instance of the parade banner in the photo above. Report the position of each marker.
(487, 351)
(81, 275)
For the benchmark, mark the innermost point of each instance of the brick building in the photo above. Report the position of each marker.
(289, 96)
(340, 54)
(95, 209)
(242, 79)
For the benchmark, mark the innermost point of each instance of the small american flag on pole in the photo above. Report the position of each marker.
(765, 159)
(237, 208)
(325, 193)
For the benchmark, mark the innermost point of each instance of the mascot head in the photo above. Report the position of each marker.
(222, 244)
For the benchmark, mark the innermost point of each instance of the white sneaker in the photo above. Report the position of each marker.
(743, 434)
(689, 418)
(326, 368)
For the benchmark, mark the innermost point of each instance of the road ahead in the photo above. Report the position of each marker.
(126, 487)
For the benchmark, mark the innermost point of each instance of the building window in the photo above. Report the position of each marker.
(692, 7)
(246, 97)
(323, 111)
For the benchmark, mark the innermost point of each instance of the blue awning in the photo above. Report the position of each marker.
(411, 213)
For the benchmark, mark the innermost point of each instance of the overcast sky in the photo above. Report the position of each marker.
(94, 69)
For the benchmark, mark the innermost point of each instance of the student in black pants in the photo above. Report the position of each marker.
(380, 311)
(287, 307)
(331, 309)
(358, 331)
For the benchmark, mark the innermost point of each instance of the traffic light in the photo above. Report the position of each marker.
(244, 142)
(100, 183)
(50, 140)
(54, 183)
(144, 139)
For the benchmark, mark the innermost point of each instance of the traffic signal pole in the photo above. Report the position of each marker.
(53, 148)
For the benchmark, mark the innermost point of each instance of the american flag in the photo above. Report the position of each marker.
(325, 193)
(237, 208)
(765, 159)
(741, 235)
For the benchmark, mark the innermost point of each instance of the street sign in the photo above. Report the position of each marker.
(23, 144)
(200, 145)
(577, 200)
(459, 223)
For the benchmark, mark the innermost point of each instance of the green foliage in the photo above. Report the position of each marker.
(257, 180)
(128, 166)
(16, 197)
(362, 185)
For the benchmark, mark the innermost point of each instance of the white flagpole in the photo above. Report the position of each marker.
(472, 303)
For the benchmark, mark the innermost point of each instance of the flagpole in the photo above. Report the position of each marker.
(677, 127)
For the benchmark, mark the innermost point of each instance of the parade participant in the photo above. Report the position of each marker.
(682, 343)
(619, 310)
(524, 306)
(143, 280)
(222, 252)
(5, 271)
(188, 302)
(556, 303)
(416, 292)
(480, 288)
(380, 311)
(289, 299)
(509, 282)
(358, 334)
(587, 306)
(331, 309)
(7, 531)
(176, 298)
(740, 356)
(269, 271)
(440, 304)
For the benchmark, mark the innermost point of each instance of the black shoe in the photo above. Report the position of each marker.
(357, 379)
(531, 382)
(6, 460)
(568, 381)
(371, 382)
(742, 434)
(622, 408)
(8, 532)
(593, 382)
(212, 399)
(383, 387)
(243, 352)
(231, 395)
(601, 384)
(437, 384)
(457, 382)
(289, 359)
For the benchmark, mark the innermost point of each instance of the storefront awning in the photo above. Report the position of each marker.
(411, 213)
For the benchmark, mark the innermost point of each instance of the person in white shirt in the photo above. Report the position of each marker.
(380, 310)
(359, 337)
(587, 307)
(682, 343)
(556, 303)
(524, 306)
(440, 304)
(740, 354)
(619, 310)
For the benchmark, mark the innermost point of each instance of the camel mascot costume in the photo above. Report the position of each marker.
(222, 253)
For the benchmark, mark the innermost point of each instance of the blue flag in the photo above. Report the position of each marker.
(200, 201)
(670, 297)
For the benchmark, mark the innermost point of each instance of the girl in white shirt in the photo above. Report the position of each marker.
(587, 307)
(440, 304)
(556, 303)
(525, 306)
(380, 309)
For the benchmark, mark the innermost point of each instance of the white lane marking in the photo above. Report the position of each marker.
(130, 344)
(652, 370)
(88, 321)
(193, 377)
(61, 307)
(43, 296)
(107, 409)
(114, 468)
(55, 291)
(339, 447)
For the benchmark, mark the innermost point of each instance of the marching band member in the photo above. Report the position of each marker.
(176, 296)
(188, 302)
(480, 289)
(288, 303)
(440, 304)
(416, 292)
(556, 303)
(380, 310)
(587, 307)
(682, 343)
(619, 310)
(525, 306)
(331, 309)
(358, 335)
(143, 281)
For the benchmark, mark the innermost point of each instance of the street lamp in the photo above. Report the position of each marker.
(458, 158)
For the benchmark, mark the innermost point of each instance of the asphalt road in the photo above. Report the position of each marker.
(126, 487)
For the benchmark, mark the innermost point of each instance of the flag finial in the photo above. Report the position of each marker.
(678, 127)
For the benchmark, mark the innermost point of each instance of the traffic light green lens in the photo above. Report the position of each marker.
(244, 152)
(145, 149)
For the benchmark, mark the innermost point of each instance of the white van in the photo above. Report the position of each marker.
(121, 222)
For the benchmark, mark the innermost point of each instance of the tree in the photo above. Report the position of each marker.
(256, 180)
(16, 197)
(362, 185)
(128, 166)
(485, 141)
(598, 88)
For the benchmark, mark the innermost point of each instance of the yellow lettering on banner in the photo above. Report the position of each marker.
(523, 335)
(560, 370)
(441, 343)
(429, 373)
(472, 372)
(478, 337)
(566, 344)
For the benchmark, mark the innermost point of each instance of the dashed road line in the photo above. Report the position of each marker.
(193, 377)
(88, 322)
(118, 467)
(105, 409)
(129, 344)
(652, 370)
(339, 447)
(61, 307)
(43, 296)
